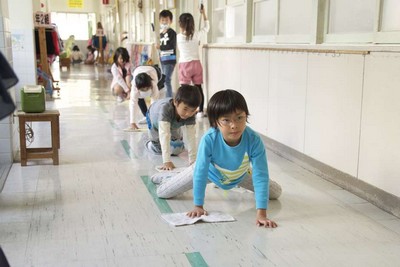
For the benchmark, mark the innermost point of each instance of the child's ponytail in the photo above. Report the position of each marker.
(186, 22)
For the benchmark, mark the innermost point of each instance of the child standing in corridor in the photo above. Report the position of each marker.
(190, 68)
(167, 48)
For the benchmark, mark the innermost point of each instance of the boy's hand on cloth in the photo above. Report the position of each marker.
(197, 212)
(265, 222)
(168, 166)
(133, 128)
(262, 219)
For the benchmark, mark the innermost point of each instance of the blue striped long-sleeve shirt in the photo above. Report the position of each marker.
(227, 166)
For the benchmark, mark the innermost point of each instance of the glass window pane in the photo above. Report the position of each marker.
(235, 22)
(265, 17)
(390, 16)
(295, 16)
(218, 25)
(68, 24)
(218, 3)
(355, 16)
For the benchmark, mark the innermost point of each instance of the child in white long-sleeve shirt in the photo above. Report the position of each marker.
(147, 82)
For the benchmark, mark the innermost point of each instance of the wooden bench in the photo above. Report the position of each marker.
(52, 116)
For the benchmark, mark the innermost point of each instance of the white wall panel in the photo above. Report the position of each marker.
(223, 70)
(254, 87)
(286, 105)
(334, 109)
(380, 128)
(318, 98)
(214, 72)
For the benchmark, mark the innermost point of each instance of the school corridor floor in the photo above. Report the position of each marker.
(98, 207)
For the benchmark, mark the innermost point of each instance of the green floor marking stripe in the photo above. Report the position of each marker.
(128, 149)
(113, 124)
(103, 108)
(195, 259)
(161, 203)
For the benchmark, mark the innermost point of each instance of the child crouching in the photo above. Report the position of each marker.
(165, 118)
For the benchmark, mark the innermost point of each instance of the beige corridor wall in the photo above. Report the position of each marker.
(340, 109)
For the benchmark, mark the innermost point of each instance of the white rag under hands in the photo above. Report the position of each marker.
(179, 219)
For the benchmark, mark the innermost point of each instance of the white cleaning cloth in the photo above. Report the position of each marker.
(174, 170)
(179, 219)
(129, 129)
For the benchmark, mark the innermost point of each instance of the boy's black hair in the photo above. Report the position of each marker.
(75, 48)
(143, 80)
(166, 14)
(121, 51)
(186, 22)
(223, 103)
(189, 95)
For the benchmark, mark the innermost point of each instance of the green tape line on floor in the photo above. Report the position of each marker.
(195, 259)
(128, 149)
(103, 107)
(113, 124)
(162, 204)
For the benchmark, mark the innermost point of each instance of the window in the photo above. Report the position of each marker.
(306, 21)
(265, 20)
(229, 21)
(235, 23)
(81, 25)
(389, 28)
(390, 16)
(362, 21)
(218, 25)
(356, 16)
(295, 16)
(350, 21)
(283, 21)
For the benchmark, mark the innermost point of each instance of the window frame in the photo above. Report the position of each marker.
(319, 23)
(263, 38)
(310, 38)
(88, 15)
(375, 37)
(231, 4)
(349, 37)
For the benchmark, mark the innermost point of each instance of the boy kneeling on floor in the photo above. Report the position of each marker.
(166, 117)
(227, 151)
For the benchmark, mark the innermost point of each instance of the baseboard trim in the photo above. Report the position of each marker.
(376, 196)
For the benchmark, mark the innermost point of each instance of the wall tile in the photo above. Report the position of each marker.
(333, 110)
(380, 128)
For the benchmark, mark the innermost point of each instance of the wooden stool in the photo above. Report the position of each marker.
(53, 116)
(65, 62)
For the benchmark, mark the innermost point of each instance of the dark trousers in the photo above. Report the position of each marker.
(142, 106)
(201, 107)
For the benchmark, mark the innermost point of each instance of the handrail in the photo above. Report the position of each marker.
(292, 50)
